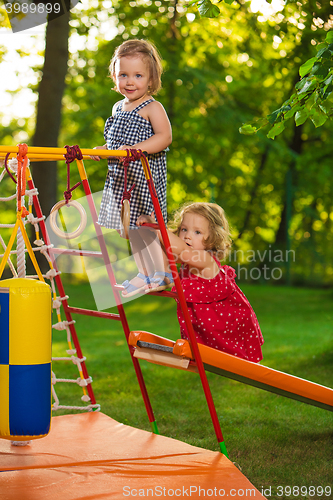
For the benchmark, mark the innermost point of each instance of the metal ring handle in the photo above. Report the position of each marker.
(53, 215)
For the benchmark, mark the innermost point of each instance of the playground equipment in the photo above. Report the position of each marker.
(143, 345)
(99, 451)
(12, 165)
(25, 341)
(25, 359)
(36, 154)
(178, 354)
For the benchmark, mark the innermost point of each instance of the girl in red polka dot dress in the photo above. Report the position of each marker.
(221, 315)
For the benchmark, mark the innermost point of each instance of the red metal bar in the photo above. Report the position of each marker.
(80, 253)
(89, 312)
(119, 304)
(181, 297)
(62, 293)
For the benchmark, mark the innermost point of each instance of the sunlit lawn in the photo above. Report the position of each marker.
(274, 440)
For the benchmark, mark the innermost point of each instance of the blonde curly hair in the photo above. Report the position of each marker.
(219, 240)
(150, 56)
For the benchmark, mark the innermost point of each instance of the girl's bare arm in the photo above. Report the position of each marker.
(160, 123)
(196, 259)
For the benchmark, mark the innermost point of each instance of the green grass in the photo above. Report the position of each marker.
(275, 441)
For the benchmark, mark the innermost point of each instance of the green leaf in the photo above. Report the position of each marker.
(329, 37)
(299, 85)
(324, 53)
(252, 127)
(328, 80)
(292, 111)
(276, 130)
(273, 117)
(309, 84)
(247, 129)
(306, 67)
(327, 91)
(320, 69)
(207, 9)
(326, 108)
(301, 116)
(318, 119)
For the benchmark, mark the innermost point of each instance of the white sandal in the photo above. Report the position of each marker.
(161, 283)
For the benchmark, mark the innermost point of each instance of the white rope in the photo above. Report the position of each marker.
(40, 246)
(3, 173)
(51, 273)
(57, 302)
(95, 407)
(20, 247)
(62, 325)
(82, 382)
(67, 380)
(44, 250)
(13, 163)
(31, 193)
(74, 359)
(9, 198)
(34, 220)
(14, 252)
(20, 443)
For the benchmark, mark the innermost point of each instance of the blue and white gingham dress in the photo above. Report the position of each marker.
(128, 127)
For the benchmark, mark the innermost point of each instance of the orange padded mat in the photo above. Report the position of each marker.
(91, 456)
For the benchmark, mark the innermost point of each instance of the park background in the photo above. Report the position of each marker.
(219, 73)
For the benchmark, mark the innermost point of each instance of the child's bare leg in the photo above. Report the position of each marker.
(140, 240)
(162, 275)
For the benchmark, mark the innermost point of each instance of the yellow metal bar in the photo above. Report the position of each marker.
(30, 251)
(48, 157)
(81, 169)
(34, 151)
(28, 174)
(9, 247)
(145, 169)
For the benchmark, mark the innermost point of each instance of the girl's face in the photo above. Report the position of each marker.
(132, 77)
(194, 230)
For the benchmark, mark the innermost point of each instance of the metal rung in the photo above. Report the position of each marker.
(89, 312)
(80, 253)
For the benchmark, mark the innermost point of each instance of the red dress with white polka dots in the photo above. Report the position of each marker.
(221, 315)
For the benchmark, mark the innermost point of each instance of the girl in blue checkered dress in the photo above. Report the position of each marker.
(137, 122)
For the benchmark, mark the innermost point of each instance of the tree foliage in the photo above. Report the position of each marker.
(313, 98)
(218, 73)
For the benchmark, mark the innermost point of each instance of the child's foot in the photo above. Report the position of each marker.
(136, 285)
(160, 281)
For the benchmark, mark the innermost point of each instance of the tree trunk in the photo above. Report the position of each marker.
(51, 89)
(253, 192)
(295, 145)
